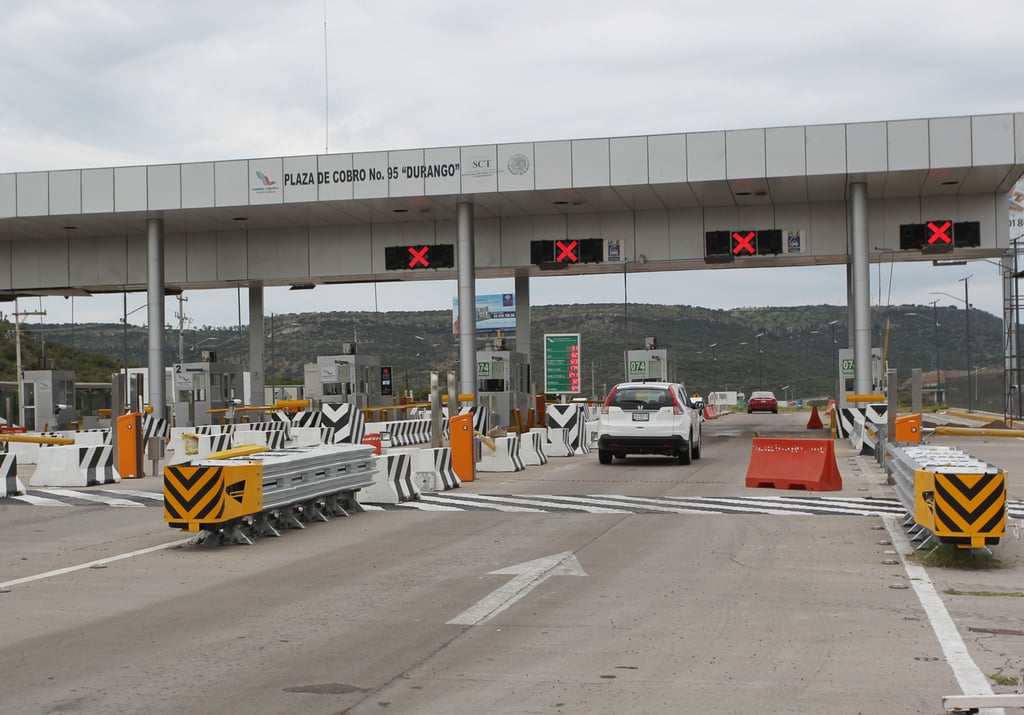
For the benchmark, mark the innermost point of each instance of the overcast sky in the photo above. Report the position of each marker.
(88, 83)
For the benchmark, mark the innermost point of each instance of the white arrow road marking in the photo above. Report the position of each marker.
(528, 575)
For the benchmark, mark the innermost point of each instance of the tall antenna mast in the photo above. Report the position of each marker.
(327, 123)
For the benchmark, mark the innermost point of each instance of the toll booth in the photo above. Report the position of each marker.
(648, 365)
(349, 378)
(846, 375)
(203, 386)
(503, 382)
(49, 399)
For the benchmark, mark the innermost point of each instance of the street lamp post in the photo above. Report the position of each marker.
(835, 362)
(938, 370)
(967, 332)
(760, 374)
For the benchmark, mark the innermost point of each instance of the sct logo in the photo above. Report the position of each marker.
(481, 163)
(267, 181)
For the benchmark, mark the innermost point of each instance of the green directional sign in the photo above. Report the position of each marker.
(562, 363)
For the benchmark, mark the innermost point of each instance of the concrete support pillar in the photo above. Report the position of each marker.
(466, 260)
(523, 335)
(155, 310)
(257, 378)
(861, 288)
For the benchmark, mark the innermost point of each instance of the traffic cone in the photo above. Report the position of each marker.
(815, 421)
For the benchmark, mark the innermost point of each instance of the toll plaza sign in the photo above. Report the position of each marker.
(562, 363)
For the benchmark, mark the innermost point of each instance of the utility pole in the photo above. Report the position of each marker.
(181, 327)
(17, 358)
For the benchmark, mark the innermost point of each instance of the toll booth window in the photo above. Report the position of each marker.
(30, 394)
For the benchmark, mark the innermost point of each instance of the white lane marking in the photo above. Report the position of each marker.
(528, 575)
(87, 496)
(155, 496)
(40, 501)
(477, 503)
(549, 501)
(970, 678)
(98, 562)
(427, 506)
(652, 505)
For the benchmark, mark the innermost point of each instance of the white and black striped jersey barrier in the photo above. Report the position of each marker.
(557, 442)
(531, 448)
(481, 417)
(155, 427)
(28, 452)
(860, 425)
(237, 499)
(403, 433)
(572, 419)
(347, 423)
(393, 482)
(273, 439)
(431, 468)
(10, 485)
(308, 436)
(74, 466)
(504, 458)
(305, 419)
(89, 437)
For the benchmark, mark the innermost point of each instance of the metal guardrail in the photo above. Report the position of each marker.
(954, 497)
(237, 499)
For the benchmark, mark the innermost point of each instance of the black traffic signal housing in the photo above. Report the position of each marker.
(937, 234)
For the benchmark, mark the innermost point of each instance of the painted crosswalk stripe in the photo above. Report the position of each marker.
(472, 502)
(571, 503)
(806, 506)
(153, 496)
(98, 499)
(649, 503)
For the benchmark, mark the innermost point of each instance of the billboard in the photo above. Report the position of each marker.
(494, 313)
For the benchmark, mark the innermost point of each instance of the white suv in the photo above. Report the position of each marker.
(650, 418)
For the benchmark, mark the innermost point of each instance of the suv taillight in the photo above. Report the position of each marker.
(608, 401)
(676, 409)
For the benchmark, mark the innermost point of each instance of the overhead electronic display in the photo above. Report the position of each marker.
(567, 251)
(940, 233)
(398, 258)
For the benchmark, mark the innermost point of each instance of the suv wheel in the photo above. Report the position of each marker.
(604, 456)
(695, 449)
(686, 454)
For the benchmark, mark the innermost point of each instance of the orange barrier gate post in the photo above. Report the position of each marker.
(794, 464)
(460, 428)
(908, 428)
(129, 446)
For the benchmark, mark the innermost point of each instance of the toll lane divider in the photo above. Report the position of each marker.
(531, 448)
(431, 468)
(237, 499)
(808, 464)
(571, 418)
(74, 466)
(557, 441)
(950, 496)
(504, 457)
(393, 482)
(403, 433)
(346, 423)
(10, 485)
(860, 425)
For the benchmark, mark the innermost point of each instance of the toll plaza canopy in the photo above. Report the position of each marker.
(667, 202)
(799, 195)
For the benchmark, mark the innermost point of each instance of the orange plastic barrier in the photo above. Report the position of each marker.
(373, 439)
(794, 464)
(815, 421)
(710, 412)
(908, 428)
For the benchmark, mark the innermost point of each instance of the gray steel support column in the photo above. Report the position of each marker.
(861, 288)
(257, 378)
(155, 309)
(466, 260)
(523, 335)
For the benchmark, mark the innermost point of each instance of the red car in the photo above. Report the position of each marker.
(762, 401)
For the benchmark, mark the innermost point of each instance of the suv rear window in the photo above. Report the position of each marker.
(637, 398)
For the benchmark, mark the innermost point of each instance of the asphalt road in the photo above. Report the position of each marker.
(620, 591)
